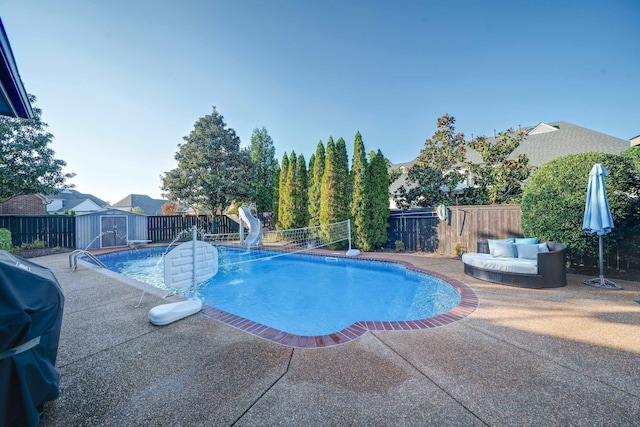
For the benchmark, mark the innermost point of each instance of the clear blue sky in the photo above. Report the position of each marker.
(120, 82)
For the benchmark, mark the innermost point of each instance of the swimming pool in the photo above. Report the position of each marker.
(310, 295)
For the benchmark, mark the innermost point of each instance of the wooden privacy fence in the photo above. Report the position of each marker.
(422, 230)
(52, 230)
(166, 228)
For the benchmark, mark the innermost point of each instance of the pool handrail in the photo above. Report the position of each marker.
(73, 259)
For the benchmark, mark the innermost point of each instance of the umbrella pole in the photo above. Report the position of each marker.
(601, 282)
(601, 261)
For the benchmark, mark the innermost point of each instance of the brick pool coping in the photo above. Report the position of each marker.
(468, 304)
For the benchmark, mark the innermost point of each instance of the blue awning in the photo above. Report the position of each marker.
(14, 101)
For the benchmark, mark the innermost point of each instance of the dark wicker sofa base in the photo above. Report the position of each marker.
(552, 270)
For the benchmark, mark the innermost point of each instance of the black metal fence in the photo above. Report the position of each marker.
(60, 230)
(52, 230)
(163, 228)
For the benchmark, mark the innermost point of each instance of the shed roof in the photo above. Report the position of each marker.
(147, 204)
(72, 198)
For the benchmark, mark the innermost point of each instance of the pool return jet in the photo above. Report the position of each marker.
(187, 265)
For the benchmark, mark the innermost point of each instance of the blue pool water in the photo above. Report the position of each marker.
(304, 294)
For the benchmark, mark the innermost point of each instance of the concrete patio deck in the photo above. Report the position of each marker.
(566, 356)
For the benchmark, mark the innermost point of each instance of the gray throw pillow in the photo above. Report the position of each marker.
(526, 251)
(501, 248)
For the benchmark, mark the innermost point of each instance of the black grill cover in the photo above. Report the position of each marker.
(31, 303)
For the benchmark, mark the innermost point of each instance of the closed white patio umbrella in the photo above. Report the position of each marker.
(597, 219)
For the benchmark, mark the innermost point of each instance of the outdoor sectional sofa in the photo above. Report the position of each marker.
(525, 265)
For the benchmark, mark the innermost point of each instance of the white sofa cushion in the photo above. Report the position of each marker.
(501, 264)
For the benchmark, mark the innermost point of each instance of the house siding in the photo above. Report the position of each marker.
(30, 204)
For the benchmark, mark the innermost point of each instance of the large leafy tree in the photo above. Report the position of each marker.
(27, 163)
(315, 186)
(436, 173)
(263, 156)
(169, 208)
(213, 170)
(498, 179)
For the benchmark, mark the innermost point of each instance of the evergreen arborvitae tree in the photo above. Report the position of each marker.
(288, 202)
(263, 156)
(315, 187)
(334, 200)
(302, 195)
(360, 201)
(276, 195)
(343, 184)
(378, 184)
(312, 161)
(328, 195)
(282, 192)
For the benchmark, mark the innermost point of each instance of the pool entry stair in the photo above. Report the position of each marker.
(187, 265)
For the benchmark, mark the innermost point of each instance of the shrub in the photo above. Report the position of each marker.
(633, 154)
(5, 239)
(399, 245)
(36, 244)
(458, 249)
(554, 200)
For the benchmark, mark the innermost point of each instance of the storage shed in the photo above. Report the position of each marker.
(108, 228)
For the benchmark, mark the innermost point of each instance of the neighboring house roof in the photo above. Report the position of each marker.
(547, 141)
(635, 141)
(14, 101)
(543, 143)
(72, 200)
(147, 204)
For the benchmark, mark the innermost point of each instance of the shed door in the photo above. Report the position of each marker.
(114, 231)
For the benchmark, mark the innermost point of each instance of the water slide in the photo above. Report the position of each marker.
(255, 229)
